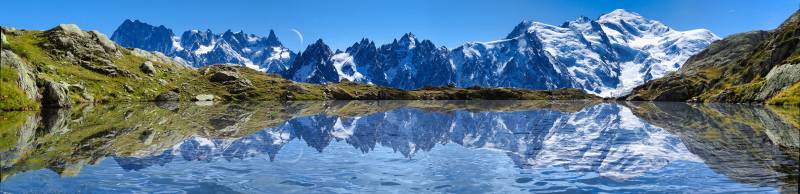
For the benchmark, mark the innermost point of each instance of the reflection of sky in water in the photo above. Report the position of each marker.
(601, 148)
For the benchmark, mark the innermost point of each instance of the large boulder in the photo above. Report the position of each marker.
(160, 58)
(229, 76)
(56, 95)
(101, 38)
(168, 96)
(777, 79)
(25, 76)
(203, 97)
(224, 76)
(69, 43)
(70, 29)
(147, 68)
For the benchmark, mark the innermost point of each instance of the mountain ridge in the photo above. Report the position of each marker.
(607, 57)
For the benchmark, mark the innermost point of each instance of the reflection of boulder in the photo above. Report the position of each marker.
(739, 141)
(55, 121)
(232, 120)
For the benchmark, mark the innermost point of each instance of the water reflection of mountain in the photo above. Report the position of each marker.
(605, 138)
(614, 140)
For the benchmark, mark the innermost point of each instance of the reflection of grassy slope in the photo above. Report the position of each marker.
(747, 143)
(789, 114)
(10, 122)
(128, 130)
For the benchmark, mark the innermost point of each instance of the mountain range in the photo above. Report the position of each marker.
(607, 56)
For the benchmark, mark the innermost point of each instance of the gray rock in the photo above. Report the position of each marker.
(225, 76)
(3, 39)
(162, 82)
(70, 44)
(56, 95)
(168, 96)
(779, 78)
(128, 88)
(203, 97)
(25, 76)
(76, 88)
(101, 38)
(159, 57)
(70, 29)
(87, 96)
(148, 68)
(297, 88)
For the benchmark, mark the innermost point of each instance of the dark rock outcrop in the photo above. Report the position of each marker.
(147, 68)
(168, 96)
(56, 95)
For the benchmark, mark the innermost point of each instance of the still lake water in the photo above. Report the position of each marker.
(402, 147)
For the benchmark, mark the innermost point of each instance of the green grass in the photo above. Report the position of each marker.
(789, 96)
(12, 97)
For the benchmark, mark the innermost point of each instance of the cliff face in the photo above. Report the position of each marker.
(758, 66)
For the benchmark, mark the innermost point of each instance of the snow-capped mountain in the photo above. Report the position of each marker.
(406, 63)
(200, 48)
(607, 56)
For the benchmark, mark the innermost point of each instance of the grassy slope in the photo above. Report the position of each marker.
(789, 96)
(11, 95)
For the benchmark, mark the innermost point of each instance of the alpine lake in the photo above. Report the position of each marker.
(402, 147)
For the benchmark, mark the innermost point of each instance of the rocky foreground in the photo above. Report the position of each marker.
(751, 67)
(66, 65)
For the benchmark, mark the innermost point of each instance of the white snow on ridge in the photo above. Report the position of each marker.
(345, 67)
(607, 57)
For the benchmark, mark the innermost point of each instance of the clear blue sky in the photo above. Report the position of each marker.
(341, 23)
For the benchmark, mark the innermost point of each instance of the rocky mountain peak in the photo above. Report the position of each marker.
(144, 36)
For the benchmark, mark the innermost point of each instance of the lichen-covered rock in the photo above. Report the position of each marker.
(160, 58)
(26, 76)
(70, 29)
(168, 96)
(147, 68)
(101, 38)
(203, 97)
(224, 76)
(70, 43)
(3, 39)
(779, 78)
(229, 76)
(56, 95)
